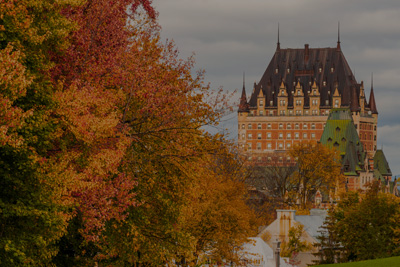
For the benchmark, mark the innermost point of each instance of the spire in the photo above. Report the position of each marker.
(243, 81)
(243, 106)
(338, 37)
(372, 104)
(278, 44)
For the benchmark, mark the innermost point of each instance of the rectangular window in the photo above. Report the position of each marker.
(259, 136)
(288, 136)
(269, 126)
(269, 135)
(280, 126)
(305, 135)
(296, 135)
(280, 135)
(259, 146)
(305, 126)
(249, 136)
(313, 135)
(261, 103)
(269, 145)
(288, 126)
(249, 126)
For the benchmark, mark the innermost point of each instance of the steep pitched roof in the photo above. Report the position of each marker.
(340, 133)
(381, 164)
(326, 66)
(372, 104)
(243, 105)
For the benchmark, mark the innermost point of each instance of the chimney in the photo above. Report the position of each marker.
(306, 52)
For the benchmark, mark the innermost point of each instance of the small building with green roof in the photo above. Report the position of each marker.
(340, 133)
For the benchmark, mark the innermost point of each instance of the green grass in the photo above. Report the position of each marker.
(386, 262)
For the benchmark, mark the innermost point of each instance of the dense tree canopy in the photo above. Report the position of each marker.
(363, 226)
(102, 152)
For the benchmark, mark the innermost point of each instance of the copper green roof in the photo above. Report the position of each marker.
(381, 164)
(340, 133)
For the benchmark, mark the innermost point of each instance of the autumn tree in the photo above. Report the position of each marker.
(217, 218)
(33, 213)
(52, 128)
(102, 140)
(366, 225)
(318, 168)
(295, 244)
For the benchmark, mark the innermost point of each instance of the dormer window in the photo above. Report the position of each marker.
(276, 70)
(283, 92)
(324, 83)
(288, 70)
(332, 69)
(315, 92)
(298, 92)
(336, 144)
(319, 69)
(271, 103)
(260, 103)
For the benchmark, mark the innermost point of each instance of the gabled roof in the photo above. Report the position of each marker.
(312, 224)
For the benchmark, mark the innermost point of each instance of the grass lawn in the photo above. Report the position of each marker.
(387, 262)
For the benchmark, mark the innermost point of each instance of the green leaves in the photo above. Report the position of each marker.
(366, 225)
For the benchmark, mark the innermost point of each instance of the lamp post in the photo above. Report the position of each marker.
(277, 253)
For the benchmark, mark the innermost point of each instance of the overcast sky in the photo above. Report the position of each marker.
(230, 37)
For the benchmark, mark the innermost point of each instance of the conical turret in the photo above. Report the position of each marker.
(243, 105)
(372, 104)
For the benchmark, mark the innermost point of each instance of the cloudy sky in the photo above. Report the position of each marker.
(230, 37)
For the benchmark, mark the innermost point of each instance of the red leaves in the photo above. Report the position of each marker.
(146, 4)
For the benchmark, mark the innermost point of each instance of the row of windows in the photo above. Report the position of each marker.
(288, 126)
(289, 112)
(314, 102)
(365, 137)
(367, 127)
(332, 69)
(280, 136)
(269, 159)
(269, 146)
